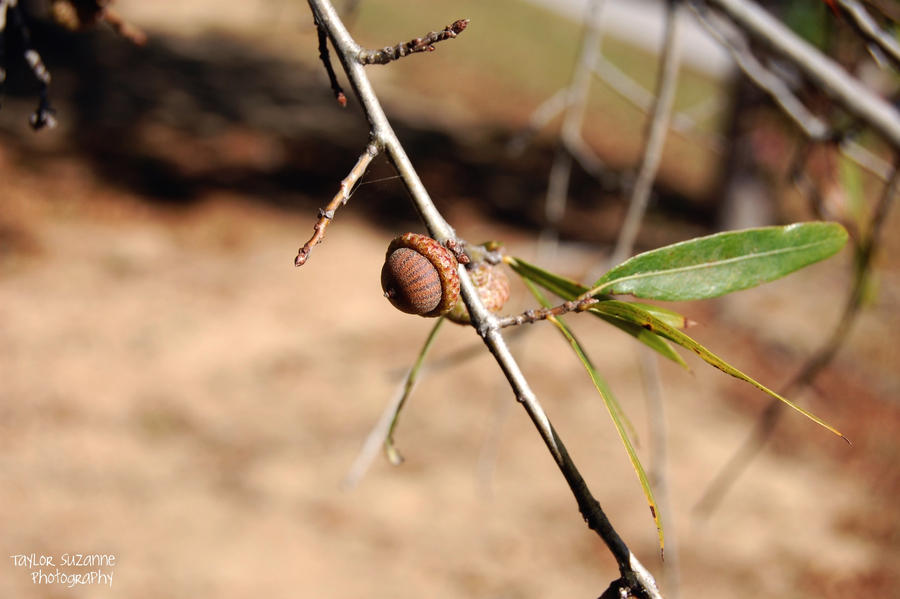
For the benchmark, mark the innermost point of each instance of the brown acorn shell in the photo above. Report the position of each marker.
(493, 289)
(408, 282)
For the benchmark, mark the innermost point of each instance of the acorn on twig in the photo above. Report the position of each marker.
(493, 289)
(420, 276)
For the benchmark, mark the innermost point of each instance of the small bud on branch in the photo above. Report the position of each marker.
(419, 44)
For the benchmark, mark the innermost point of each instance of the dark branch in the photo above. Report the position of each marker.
(325, 57)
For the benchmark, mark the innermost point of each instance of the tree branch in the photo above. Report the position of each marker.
(812, 126)
(638, 579)
(326, 215)
(869, 29)
(419, 44)
(765, 79)
(823, 71)
(533, 316)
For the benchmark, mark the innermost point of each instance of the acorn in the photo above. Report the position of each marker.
(493, 289)
(420, 276)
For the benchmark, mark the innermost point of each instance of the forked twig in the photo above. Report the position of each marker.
(824, 72)
(634, 578)
(326, 214)
(869, 29)
(765, 79)
(811, 125)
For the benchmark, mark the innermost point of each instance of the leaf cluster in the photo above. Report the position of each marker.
(700, 268)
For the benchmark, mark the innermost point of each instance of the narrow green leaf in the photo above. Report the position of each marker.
(612, 406)
(670, 317)
(722, 263)
(392, 454)
(561, 286)
(569, 290)
(630, 312)
(648, 338)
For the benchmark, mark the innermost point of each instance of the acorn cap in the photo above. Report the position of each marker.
(440, 258)
(493, 289)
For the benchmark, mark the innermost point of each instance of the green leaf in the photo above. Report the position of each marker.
(630, 312)
(722, 263)
(561, 286)
(648, 338)
(612, 406)
(570, 290)
(392, 454)
(670, 317)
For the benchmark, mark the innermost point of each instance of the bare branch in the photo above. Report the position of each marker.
(485, 323)
(869, 29)
(834, 80)
(683, 122)
(866, 159)
(543, 114)
(573, 120)
(769, 82)
(419, 44)
(532, 316)
(811, 125)
(326, 215)
(656, 135)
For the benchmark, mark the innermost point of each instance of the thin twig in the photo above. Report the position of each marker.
(389, 448)
(765, 79)
(684, 122)
(326, 214)
(765, 425)
(799, 176)
(419, 44)
(573, 121)
(811, 125)
(633, 574)
(656, 135)
(870, 30)
(865, 159)
(382, 433)
(532, 316)
(325, 57)
(542, 115)
(124, 28)
(658, 472)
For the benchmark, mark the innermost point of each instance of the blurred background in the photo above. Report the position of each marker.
(175, 393)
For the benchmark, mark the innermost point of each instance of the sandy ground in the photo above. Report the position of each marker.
(174, 393)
